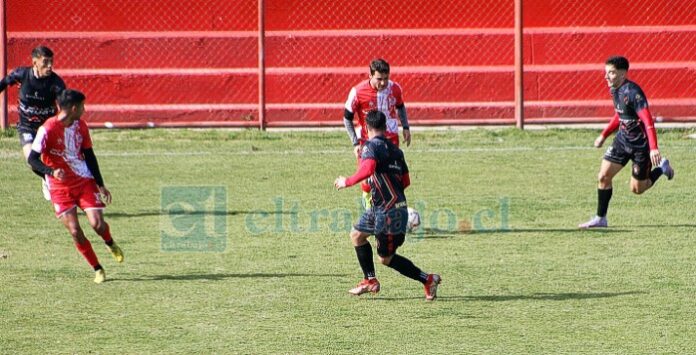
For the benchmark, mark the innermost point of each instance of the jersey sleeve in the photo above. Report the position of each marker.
(638, 100)
(86, 138)
(352, 102)
(14, 77)
(58, 86)
(40, 141)
(368, 151)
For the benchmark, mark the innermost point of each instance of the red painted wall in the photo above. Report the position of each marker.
(197, 59)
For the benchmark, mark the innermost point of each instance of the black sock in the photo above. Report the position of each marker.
(98, 267)
(655, 174)
(109, 243)
(603, 197)
(367, 264)
(39, 174)
(406, 268)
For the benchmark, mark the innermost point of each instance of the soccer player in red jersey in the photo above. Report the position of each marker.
(376, 93)
(383, 166)
(39, 86)
(635, 141)
(63, 152)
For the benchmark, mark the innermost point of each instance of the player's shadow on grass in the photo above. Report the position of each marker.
(430, 233)
(532, 297)
(193, 213)
(219, 277)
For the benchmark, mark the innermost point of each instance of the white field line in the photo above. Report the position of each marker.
(9, 154)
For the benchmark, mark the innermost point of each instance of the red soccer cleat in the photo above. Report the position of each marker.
(431, 286)
(366, 285)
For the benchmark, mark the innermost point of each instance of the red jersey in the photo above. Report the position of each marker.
(363, 98)
(61, 147)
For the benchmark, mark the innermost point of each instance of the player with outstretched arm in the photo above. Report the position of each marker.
(384, 168)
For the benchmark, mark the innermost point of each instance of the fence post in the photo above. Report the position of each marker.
(4, 121)
(519, 66)
(262, 68)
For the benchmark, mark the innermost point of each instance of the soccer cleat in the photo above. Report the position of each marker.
(367, 200)
(667, 169)
(366, 285)
(116, 252)
(595, 222)
(431, 286)
(44, 189)
(99, 276)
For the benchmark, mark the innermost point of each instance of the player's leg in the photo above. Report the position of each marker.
(642, 177)
(614, 160)
(26, 138)
(390, 235)
(93, 206)
(72, 224)
(363, 250)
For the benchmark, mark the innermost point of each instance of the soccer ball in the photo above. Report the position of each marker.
(413, 220)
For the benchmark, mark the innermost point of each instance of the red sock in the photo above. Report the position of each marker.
(365, 186)
(86, 250)
(106, 234)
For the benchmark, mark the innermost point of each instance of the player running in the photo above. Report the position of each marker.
(39, 86)
(376, 93)
(63, 152)
(385, 169)
(636, 141)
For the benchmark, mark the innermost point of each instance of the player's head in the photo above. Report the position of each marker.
(72, 105)
(615, 69)
(42, 61)
(379, 74)
(376, 123)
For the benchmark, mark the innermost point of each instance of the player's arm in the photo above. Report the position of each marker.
(34, 158)
(646, 117)
(35, 162)
(403, 117)
(91, 161)
(350, 128)
(11, 79)
(611, 127)
(367, 167)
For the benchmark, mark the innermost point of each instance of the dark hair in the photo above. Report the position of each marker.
(70, 97)
(379, 65)
(619, 62)
(42, 51)
(376, 120)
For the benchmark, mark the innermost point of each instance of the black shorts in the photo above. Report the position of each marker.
(621, 152)
(26, 135)
(388, 227)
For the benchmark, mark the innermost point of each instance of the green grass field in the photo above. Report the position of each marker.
(236, 242)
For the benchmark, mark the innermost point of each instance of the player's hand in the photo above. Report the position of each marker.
(59, 174)
(655, 157)
(340, 182)
(407, 137)
(356, 151)
(599, 141)
(106, 193)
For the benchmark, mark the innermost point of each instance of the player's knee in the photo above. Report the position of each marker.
(385, 260)
(357, 237)
(603, 178)
(76, 233)
(98, 225)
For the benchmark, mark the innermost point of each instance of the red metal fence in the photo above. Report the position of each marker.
(197, 63)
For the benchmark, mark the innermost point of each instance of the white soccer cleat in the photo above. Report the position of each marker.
(595, 222)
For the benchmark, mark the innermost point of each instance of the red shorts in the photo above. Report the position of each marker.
(86, 196)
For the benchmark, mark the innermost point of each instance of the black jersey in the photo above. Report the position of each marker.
(37, 96)
(387, 181)
(629, 99)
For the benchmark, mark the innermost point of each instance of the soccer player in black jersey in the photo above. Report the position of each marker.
(385, 169)
(636, 140)
(39, 87)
